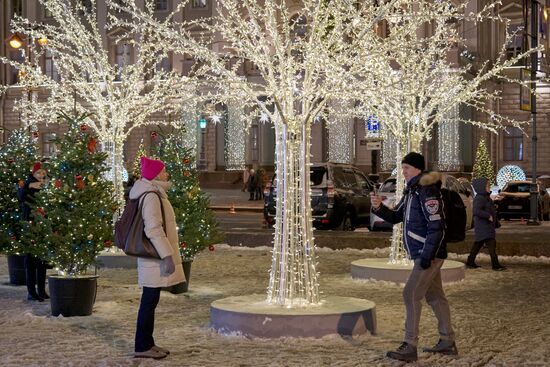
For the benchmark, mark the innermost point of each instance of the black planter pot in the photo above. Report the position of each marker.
(72, 296)
(184, 286)
(16, 268)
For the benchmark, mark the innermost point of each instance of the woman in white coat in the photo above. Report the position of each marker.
(154, 274)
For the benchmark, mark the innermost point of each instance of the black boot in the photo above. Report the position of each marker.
(447, 347)
(34, 297)
(405, 352)
(41, 280)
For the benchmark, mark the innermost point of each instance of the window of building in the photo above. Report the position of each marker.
(514, 46)
(200, 3)
(163, 65)
(122, 57)
(48, 145)
(17, 7)
(49, 66)
(513, 144)
(161, 5)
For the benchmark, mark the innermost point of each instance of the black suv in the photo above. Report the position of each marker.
(340, 197)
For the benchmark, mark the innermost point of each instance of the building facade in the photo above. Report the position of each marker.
(452, 147)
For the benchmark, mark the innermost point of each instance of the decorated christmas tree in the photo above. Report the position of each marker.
(483, 166)
(197, 227)
(137, 165)
(16, 159)
(77, 205)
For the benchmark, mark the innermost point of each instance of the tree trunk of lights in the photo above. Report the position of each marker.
(116, 165)
(293, 276)
(398, 253)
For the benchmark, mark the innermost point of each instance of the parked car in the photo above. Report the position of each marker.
(388, 188)
(514, 201)
(340, 197)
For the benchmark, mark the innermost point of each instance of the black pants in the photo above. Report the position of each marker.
(146, 319)
(491, 245)
(35, 270)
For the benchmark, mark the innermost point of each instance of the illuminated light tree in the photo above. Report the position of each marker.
(305, 55)
(117, 97)
(420, 86)
(483, 166)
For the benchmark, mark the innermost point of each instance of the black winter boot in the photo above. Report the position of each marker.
(447, 347)
(405, 352)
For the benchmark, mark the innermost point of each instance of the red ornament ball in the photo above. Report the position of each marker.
(186, 161)
(211, 247)
(10, 161)
(154, 134)
(35, 134)
(58, 184)
(41, 212)
(12, 237)
(83, 127)
(183, 245)
(107, 243)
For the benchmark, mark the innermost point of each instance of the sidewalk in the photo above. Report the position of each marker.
(223, 199)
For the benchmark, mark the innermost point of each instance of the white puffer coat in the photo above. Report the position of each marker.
(151, 272)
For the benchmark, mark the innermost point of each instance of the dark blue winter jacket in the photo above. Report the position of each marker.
(484, 208)
(421, 211)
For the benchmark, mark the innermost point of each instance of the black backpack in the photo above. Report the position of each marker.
(455, 216)
(124, 222)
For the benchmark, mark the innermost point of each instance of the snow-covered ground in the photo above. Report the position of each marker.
(501, 318)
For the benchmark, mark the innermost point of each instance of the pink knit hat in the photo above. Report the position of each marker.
(150, 168)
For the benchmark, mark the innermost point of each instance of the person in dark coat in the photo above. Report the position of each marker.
(35, 268)
(485, 222)
(421, 211)
(252, 184)
(259, 178)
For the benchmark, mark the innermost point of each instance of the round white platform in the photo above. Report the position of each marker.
(251, 315)
(116, 260)
(380, 269)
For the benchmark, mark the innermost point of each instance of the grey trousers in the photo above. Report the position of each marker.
(426, 284)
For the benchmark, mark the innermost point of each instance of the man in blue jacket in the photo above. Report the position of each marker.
(421, 211)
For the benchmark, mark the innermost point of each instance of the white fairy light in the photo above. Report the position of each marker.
(509, 173)
(448, 148)
(340, 134)
(235, 129)
(264, 118)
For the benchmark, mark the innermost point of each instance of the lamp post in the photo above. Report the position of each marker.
(533, 220)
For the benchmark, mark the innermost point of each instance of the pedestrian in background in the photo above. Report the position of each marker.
(155, 274)
(246, 176)
(421, 211)
(485, 222)
(35, 268)
(260, 184)
(251, 184)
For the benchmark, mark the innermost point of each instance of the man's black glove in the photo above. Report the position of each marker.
(425, 263)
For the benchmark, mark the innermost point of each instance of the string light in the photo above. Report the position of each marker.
(235, 142)
(448, 149)
(509, 173)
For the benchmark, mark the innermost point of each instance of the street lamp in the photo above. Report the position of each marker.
(15, 41)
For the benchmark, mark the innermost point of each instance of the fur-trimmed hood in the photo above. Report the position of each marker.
(430, 178)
